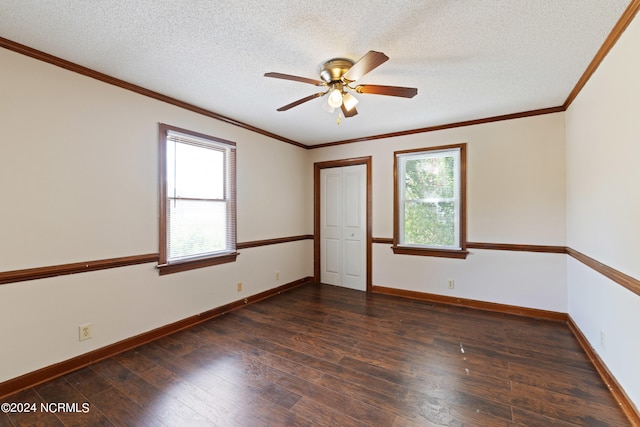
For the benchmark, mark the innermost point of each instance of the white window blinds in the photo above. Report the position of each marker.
(200, 197)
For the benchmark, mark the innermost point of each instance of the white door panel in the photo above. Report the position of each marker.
(333, 184)
(352, 201)
(343, 226)
(333, 255)
(352, 258)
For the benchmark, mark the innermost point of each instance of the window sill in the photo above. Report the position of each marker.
(179, 266)
(443, 253)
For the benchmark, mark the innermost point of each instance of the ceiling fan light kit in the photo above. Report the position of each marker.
(337, 75)
(349, 101)
(335, 97)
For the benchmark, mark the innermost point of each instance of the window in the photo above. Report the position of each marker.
(429, 202)
(197, 200)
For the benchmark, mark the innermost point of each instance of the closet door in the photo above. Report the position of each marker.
(343, 226)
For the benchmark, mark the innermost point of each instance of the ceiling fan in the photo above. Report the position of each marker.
(338, 76)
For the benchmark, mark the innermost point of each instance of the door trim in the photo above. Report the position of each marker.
(316, 211)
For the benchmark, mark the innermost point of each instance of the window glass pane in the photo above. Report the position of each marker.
(195, 172)
(430, 224)
(428, 198)
(430, 178)
(196, 227)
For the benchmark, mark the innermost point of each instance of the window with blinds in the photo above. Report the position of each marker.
(198, 199)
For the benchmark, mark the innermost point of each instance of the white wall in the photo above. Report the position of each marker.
(603, 207)
(516, 194)
(78, 168)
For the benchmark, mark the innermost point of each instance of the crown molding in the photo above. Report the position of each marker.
(624, 21)
(492, 119)
(105, 78)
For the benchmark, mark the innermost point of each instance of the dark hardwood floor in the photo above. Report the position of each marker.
(328, 356)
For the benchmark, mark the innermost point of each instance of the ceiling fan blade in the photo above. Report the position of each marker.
(404, 92)
(348, 113)
(301, 101)
(295, 78)
(368, 62)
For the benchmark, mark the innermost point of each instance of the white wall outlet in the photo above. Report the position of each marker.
(239, 286)
(452, 284)
(85, 331)
(602, 340)
(277, 275)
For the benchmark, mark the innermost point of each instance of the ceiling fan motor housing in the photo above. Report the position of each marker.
(334, 69)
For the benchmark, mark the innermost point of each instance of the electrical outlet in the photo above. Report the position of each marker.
(277, 275)
(85, 331)
(452, 284)
(602, 340)
(239, 286)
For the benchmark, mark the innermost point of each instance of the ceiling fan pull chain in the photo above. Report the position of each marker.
(339, 117)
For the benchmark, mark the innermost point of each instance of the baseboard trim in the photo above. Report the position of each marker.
(47, 373)
(614, 387)
(476, 304)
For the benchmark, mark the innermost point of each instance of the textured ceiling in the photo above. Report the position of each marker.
(468, 59)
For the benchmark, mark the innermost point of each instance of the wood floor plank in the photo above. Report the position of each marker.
(385, 400)
(81, 413)
(121, 411)
(180, 343)
(32, 415)
(222, 402)
(567, 407)
(87, 382)
(246, 373)
(341, 402)
(282, 364)
(469, 355)
(406, 422)
(559, 379)
(472, 382)
(135, 361)
(4, 420)
(217, 411)
(458, 408)
(285, 338)
(182, 369)
(524, 418)
(330, 356)
(145, 394)
(324, 416)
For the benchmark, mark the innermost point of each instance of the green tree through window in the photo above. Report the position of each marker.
(429, 198)
(429, 207)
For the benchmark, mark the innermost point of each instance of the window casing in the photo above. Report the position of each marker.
(197, 200)
(429, 201)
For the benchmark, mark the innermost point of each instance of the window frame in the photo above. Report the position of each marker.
(398, 248)
(166, 266)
